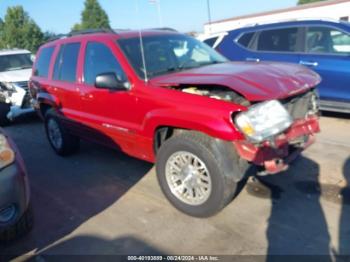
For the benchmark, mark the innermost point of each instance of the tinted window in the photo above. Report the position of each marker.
(43, 63)
(66, 63)
(327, 40)
(284, 40)
(100, 59)
(245, 39)
(210, 41)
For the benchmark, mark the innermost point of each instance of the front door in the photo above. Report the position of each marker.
(327, 52)
(109, 115)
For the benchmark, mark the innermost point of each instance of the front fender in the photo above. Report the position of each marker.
(219, 126)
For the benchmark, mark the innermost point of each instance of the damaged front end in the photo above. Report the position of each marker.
(15, 99)
(283, 132)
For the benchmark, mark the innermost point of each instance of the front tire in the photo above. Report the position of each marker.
(22, 227)
(198, 174)
(62, 142)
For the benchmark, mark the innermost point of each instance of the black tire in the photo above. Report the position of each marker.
(22, 227)
(69, 144)
(4, 110)
(226, 169)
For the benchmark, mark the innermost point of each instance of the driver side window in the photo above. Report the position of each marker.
(327, 41)
(100, 59)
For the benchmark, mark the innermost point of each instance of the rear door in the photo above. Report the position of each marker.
(64, 80)
(280, 44)
(327, 51)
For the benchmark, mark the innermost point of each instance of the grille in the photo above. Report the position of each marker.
(301, 105)
(23, 84)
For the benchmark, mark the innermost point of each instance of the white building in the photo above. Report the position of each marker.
(334, 9)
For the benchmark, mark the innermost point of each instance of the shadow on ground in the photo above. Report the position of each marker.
(297, 224)
(97, 177)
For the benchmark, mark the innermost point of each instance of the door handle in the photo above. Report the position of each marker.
(251, 59)
(86, 96)
(308, 63)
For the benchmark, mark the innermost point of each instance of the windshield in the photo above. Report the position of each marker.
(15, 62)
(168, 53)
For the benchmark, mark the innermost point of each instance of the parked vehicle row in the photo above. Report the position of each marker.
(176, 102)
(323, 46)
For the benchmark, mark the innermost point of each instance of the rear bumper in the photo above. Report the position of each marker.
(275, 156)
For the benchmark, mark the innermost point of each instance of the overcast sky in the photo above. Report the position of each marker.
(184, 15)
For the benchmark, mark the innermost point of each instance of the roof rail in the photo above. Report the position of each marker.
(91, 31)
(81, 32)
(164, 29)
(325, 19)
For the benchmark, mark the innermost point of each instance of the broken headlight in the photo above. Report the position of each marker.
(263, 120)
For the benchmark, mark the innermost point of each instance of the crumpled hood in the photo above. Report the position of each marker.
(15, 75)
(255, 81)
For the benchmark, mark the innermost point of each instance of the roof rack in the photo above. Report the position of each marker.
(102, 30)
(82, 32)
(164, 29)
(90, 31)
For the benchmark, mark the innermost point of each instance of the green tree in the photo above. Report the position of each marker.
(20, 31)
(302, 2)
(92, 17)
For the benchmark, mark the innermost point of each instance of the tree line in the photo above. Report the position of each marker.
(19, 30)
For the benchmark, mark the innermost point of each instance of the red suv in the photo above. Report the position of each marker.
(165, 97)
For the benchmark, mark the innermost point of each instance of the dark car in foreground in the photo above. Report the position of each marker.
(15, 212)
(321, 45)
(203, 120)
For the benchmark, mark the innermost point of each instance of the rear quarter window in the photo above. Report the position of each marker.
(245, 39)
(43, 63)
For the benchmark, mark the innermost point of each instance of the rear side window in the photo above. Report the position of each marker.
(43, 63)
(278, 40)
(245, 39)
(211, 41)
(100, 59)
(66, 63)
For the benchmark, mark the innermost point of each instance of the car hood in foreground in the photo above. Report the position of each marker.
(255, 81)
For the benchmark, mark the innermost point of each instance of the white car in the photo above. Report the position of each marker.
(15, 71)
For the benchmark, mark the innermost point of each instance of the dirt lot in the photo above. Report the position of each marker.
(102, 202)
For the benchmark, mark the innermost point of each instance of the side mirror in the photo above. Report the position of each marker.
(110, 81)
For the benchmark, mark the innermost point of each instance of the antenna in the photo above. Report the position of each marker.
(141, 43)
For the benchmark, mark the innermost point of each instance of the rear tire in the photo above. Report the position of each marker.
(4, 110)
(209, 171)
(22, 227)
(62, 142)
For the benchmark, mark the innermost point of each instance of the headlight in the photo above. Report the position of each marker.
(8, 86)
(263, 120)
(7, 156)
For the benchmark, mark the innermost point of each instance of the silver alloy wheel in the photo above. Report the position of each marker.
(54, 133)
(188, 178)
